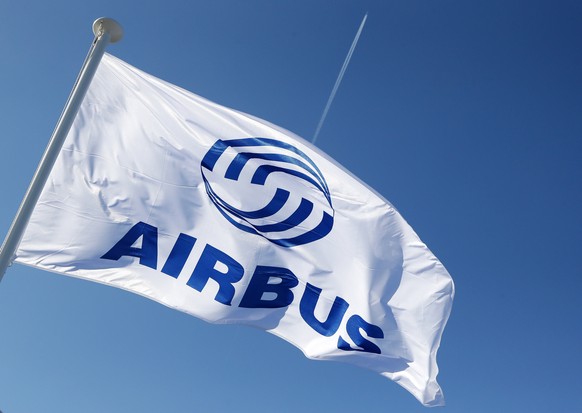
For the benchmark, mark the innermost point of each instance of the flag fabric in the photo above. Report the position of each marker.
(234, 220)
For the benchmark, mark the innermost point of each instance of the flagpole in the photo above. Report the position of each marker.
(106, 31)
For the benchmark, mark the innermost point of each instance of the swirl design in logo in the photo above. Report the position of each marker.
(270, 188)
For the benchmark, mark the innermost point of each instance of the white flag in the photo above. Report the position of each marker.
(234, 220)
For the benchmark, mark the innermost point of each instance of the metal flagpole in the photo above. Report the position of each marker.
(106, 31)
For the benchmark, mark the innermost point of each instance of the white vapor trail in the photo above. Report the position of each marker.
(339, 79)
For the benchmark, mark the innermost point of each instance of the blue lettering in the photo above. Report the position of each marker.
(307, 309)
(179, 255)
(205, 269)
(353, 326)
(147, 254)
(269, 287)
(259, 285)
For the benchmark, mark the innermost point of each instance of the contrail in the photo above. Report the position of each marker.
(339, 79)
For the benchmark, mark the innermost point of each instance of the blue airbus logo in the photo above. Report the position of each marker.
(270, 188)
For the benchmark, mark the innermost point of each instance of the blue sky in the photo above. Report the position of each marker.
(467, 116)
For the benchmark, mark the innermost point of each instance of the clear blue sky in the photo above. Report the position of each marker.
(467, 116)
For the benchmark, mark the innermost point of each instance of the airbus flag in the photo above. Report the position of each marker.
(234, 220)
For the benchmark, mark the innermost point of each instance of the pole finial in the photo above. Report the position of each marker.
(107, 25)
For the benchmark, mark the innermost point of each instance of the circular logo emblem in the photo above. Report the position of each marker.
(269, 188)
